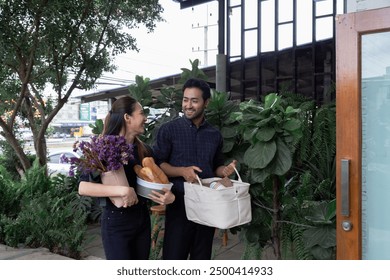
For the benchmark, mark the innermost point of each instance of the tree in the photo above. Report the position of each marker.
(61, 46)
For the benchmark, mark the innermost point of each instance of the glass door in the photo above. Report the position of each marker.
(375, 88)
(363, 135)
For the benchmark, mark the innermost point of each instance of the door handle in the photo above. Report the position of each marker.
(345, 187)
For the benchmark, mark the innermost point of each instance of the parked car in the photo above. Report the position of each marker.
(55, 163)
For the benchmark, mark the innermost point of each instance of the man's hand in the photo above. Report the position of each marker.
(229, 169)
(189, 173)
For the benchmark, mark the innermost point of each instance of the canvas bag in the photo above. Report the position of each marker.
(223, 208)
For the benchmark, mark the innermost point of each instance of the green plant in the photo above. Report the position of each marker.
(273, 130)
(157, 222)
(10, 161)
(47, 221)
(42, 211)
(97, 127)
(321, 238)
(66, 186)
(35, 181)
(141, 91)
(312, 191)
(194, 72)
(9, 199)
(218, 113)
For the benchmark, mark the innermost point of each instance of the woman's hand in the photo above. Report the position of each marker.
(129, 197)
(163, 199)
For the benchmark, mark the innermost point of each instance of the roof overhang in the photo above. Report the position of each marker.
(249, 64)
(190, 3)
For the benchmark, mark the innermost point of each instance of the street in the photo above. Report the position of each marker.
(55, 145)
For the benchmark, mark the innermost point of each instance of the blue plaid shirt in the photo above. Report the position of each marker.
(180, 143)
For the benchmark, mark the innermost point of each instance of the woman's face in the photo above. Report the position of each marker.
(135, 122)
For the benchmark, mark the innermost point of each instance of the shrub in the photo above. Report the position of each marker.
(43, 211)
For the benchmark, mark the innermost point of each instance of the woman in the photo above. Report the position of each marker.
(126, 231)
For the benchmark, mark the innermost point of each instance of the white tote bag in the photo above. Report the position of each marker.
(221, 208)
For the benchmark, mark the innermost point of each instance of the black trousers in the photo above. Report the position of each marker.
(183, 238)
(126, 232)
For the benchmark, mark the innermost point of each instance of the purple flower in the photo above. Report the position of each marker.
(101, 154)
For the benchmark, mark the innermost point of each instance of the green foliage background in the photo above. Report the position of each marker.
(284, 145)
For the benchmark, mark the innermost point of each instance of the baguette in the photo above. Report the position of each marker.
(148, 174)
(137, 170)
(160, 176)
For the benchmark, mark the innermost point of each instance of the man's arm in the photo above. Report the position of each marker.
(188, 172)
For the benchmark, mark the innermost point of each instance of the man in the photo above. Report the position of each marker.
(186, 147)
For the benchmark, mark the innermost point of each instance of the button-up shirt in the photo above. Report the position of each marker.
(180, 143)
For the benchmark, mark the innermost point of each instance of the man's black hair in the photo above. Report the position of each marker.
(200, 84)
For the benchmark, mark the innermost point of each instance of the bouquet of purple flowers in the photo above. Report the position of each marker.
(103, 153)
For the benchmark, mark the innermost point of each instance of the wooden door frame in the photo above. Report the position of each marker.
(349, 29)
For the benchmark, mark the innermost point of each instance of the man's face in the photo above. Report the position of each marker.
(193, 105)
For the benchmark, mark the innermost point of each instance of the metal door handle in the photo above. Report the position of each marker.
(345, 187)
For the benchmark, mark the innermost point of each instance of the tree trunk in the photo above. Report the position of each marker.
(41, 148)
(24, 161)
(276, 217)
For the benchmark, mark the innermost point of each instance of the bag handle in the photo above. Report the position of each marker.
(199, 181)
(238, 174)
(235, 169)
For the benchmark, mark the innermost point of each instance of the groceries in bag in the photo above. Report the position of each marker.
(222, 208)
(219, 183)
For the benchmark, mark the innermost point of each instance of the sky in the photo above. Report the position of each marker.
(170, 47)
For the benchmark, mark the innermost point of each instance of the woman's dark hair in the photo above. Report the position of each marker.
(200, 84)
(115, 121)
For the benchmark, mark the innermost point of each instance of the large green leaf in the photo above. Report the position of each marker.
(264, 122)
(258, 234)
(259, 175)
(228, 132)
(283, 161)
(236, 116)
(260, 155)
(324, 236)
(292, 111)
(227, 145)
(265, 134)
(321, 253)
(249, 134)
(292, 124)
(250, 105)
(324, 212)
(271, 100)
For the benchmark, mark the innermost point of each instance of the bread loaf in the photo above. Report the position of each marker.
(147, 173)
(137, 170)
(159, 175)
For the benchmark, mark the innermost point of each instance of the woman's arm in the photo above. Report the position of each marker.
(100, 190)
(121, 196)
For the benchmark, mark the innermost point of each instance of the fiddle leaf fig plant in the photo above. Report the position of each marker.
(217, 113)
(272, 130)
